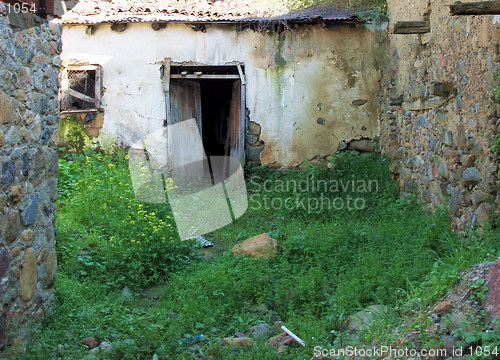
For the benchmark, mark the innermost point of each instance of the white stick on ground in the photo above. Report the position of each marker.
(293, 336)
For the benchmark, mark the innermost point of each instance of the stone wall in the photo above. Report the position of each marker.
(437, 113)
(28, 174)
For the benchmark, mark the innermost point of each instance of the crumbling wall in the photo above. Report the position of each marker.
(28, 175)
(437, 113)
(309, 87)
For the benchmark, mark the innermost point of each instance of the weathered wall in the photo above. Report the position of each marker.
(28, 174)
(301, 83)
(437, 113)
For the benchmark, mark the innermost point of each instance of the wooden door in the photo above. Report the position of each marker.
(185, 144)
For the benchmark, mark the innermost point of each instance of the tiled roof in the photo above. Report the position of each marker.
(94, 12)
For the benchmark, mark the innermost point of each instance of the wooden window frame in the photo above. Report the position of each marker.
(96, 100)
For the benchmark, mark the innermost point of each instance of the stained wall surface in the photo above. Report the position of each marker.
(301, 83)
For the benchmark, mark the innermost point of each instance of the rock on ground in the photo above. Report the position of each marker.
(260, 246)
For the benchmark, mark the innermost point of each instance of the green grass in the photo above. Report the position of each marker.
(331, 263)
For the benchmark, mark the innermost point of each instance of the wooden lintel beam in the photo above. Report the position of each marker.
(475, 8)
(412, 27)
(194, 76)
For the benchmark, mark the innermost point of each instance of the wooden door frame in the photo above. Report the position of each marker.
(167, 76)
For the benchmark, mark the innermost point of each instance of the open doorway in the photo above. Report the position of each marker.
(215, 97)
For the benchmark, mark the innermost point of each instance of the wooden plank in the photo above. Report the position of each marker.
(166, 74)
(412, 27)
(185, 141)
(242, 76)
(65, 112)
(97, 87)
(475, 8)
(243, 124)
(82, 67)
(81, 96)
(206, 76)
(166, 89)
(234, 122)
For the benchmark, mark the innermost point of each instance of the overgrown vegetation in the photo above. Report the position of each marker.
(332, 263)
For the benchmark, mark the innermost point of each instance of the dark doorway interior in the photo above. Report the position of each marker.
(216, 97)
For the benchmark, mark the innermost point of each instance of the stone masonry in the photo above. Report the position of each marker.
(28, 174)
(437, 113)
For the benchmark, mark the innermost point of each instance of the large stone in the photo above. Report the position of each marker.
(467, 160)
(364, 145)
(342, 146)
(260, 246)
(16, 193)
(413, 105)
(455, 200)
(492, 299)
(253, 152)
(261, 329)
(12, 136)
(49, 267)
(441, 167)
(423, 121)
(8, 172)
(242, 341)
(461, 136)
(13, 226)
(433, 103)
(483, 213)
(6, 109)
(30, 213)
(90, 342)
(252, 139)
(254, 128)
(4, 261)
(471, 176)
(27, 235)
(478, 197)
(28, 275)
(365, 319)
(447, 138)
(443, 307)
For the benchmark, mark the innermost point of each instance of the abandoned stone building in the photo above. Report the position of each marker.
(288, 88)
(271, 88)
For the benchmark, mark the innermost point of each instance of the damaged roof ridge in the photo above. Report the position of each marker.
(143, 13)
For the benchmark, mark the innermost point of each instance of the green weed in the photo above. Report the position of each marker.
(332, 262)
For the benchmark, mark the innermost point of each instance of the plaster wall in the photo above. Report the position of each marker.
(301, 83)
